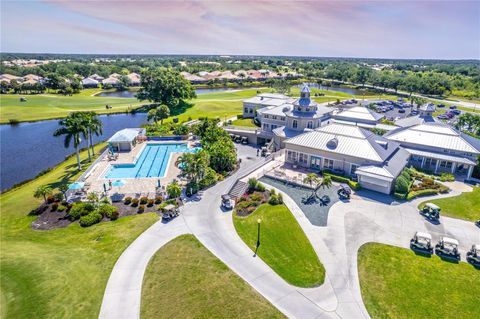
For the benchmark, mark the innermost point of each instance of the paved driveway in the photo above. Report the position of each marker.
(350, 225)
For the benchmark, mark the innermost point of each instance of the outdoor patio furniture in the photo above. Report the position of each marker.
(117, 197)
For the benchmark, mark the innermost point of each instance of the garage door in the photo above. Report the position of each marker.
(374, 184)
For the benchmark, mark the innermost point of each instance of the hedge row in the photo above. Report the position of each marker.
(341, 179)
(423, 192)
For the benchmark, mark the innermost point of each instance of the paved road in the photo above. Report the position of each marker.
(349, 226)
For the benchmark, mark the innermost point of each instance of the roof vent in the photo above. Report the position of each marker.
(333, 143)
(261, 98)
(383, 144)
(286, 109)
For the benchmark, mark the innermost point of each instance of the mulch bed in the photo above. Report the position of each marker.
(49, 219)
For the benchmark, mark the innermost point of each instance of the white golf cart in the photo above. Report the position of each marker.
(169, 212)
(448, 247)
(473, 255)
(422, 242)
(227, 202)
(431, 211)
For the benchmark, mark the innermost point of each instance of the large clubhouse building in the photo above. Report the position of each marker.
(319, 136)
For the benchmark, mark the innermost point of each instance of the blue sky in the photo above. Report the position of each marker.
(392, 29)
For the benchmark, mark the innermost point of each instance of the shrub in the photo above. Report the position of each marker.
(90, 219)
(141, 209)
(50, 199)
(260, 187)
(406, 174)
(135, 202)
(80, 209)
(114, 215)
(280, 198)
(424, 192)
(209, 179)
(107, 210)
(61, 208)
(272, 191)
(399, 195)
(127, 200)
(401, 185)
(273, 200)
(256, 197)
(58, 197)
(252, 184)
(143, 200)
(54, 207)
(342, 179)
(158, 199)
(150, 202)
(181, 130)
(192, 188)
(447, 177)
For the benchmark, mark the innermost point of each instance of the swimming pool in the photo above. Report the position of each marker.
(152, 162)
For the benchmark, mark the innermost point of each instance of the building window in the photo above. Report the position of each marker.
(274, 117)
(266, 116)
(310, 124)
(282, 118)
(251, 111)
(353, 168)
(291, 156)
(294, 124)
(245, 110)
(266, 127)
(303, 158)
(328, 163)
(315, 162)
(308, 109)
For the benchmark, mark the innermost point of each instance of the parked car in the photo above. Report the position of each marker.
(452, 107)
(440, 105)
(422, 242)
(448, 247)
(456, 112)
(414, 112)
(401, 111)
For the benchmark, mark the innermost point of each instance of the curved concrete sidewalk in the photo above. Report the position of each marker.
(350, 225)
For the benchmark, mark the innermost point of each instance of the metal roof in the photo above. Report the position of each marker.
(359, 113)
(351, 140)
(126, 135)
(437, 135)
(415, 120)
(440, 156)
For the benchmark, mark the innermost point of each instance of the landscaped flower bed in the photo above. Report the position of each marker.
(254, 197)
(411, 184)
(57, 214)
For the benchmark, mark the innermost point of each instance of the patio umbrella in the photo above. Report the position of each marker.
(76, 185)
(118, 183)
(104, 187)
(158, 183)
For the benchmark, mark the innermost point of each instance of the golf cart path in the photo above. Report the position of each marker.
(350, 225)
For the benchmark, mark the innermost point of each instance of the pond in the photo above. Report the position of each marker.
(29, 148)
(334, 88)
(131, 94)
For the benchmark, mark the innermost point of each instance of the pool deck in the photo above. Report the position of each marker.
(135, 187)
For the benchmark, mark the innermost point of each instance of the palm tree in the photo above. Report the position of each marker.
(94, 127)
(326, 182)
(73, 126)
(43, 191)
(174, 190)
(311, 179)
(194, 165)
(63, 188)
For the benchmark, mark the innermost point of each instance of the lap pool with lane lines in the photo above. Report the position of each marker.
(152, 162)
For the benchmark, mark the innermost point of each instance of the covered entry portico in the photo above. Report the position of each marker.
(441, 163)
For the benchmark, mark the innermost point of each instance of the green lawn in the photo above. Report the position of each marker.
(185, 280)
(396, 283)
(244, 122)
(283, 245)
(50, 106)
(60, 273)
(465, 206)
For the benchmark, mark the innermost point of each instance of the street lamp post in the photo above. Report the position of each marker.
(258, 232)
